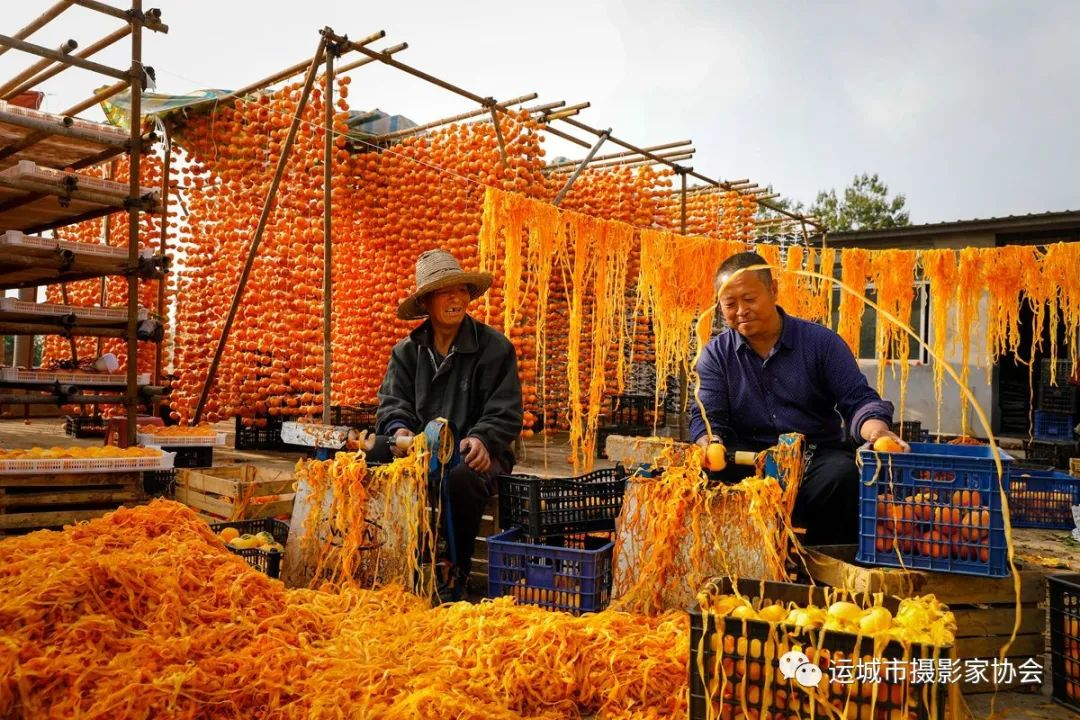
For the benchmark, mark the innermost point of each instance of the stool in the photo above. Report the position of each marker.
(116, 428)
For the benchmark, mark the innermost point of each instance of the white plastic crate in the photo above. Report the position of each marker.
(30, 170)
(18, 239)
(86, 465)
(72, 377)
(107, 132)
(153, 440)
(109, 251)
(54, 309)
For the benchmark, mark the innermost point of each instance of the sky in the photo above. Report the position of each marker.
(969, 109)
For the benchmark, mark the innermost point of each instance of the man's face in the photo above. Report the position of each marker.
(447, 306)
(748, 304)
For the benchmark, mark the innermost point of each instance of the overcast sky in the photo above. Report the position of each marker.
(971, 109)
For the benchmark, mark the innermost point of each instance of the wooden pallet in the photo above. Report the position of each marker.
(235, 492)
(985, 608)
(33, 502)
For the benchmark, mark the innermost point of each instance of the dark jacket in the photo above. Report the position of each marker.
(476, 387)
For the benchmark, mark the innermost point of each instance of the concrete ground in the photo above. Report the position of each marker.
(1052, 550)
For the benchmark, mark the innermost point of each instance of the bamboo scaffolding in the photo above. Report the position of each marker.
(56, 70)
(39, 22)
(624, 154)
(268, 204)
(398, 134)
(63, 50)
(151, 19)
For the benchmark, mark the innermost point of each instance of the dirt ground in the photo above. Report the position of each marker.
(1051, 550)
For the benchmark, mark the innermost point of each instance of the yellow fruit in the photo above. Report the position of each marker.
(229, 534)
(845, 611)
(264, 538)
(875, 620)
(773, 613)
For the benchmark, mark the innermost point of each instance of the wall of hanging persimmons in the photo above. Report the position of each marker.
(586, 292)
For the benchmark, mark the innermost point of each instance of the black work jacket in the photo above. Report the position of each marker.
(476, 387)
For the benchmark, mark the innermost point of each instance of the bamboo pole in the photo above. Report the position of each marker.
(151, 20)
(268, 204)
(166, 172)
(135, 77)
(63, 50)
(45, 52)
(56, 70)
(406, 132)
(40, 21)
(564, 136)
(101, 96)
(499, 135)
(673, 156)
(684, 380)
(292, 70)
(328, 284)
(626, 153)
(393, 49)
(577, 171)
(726, 186)
(106, 232)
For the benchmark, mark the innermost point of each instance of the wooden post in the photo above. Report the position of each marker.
(253, 251)
(684, 380)
(328, 283)
(135, 79)
(577, 171)
(159, 353)
(56, 70)
(40, 21)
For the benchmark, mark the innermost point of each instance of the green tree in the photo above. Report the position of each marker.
(865, 205)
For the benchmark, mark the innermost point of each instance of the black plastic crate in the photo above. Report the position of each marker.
(265, 561)
(189, 456)
(909, 431)
(360, 417)
(80, 426)
(728, 667)
(545, 507)
(634, 411)
(1048, 452)
(1065, 638)
(159, 483)
(1053, 425)
(570, 573)
(1059, 398)
(250, 437)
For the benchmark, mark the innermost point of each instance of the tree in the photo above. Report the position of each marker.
(866, 205)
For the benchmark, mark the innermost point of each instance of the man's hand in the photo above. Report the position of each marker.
(874, 429)
(395, 450)
(475, 454)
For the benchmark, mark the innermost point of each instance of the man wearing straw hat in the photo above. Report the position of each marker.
(453, 366)
(770, 373)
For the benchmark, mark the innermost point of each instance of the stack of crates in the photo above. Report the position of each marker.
(1065, 639)
(557, 541)
(1042, 498)
(1055, 415)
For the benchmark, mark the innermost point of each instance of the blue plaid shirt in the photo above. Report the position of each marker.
(809, 384)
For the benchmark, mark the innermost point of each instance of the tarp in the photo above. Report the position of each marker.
(362, 124)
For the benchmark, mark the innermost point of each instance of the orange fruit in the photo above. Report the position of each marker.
(887, 444)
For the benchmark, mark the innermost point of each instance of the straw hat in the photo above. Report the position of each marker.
(436, 269)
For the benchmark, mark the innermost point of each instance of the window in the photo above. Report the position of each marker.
(919, 321)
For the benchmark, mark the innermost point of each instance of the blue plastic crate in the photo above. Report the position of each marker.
(936, 508)
(574, 577)
(1042, 498)
(1053, 426)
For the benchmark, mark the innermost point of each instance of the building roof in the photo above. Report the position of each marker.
(1032, 222)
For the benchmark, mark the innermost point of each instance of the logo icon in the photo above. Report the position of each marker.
(794, 665)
